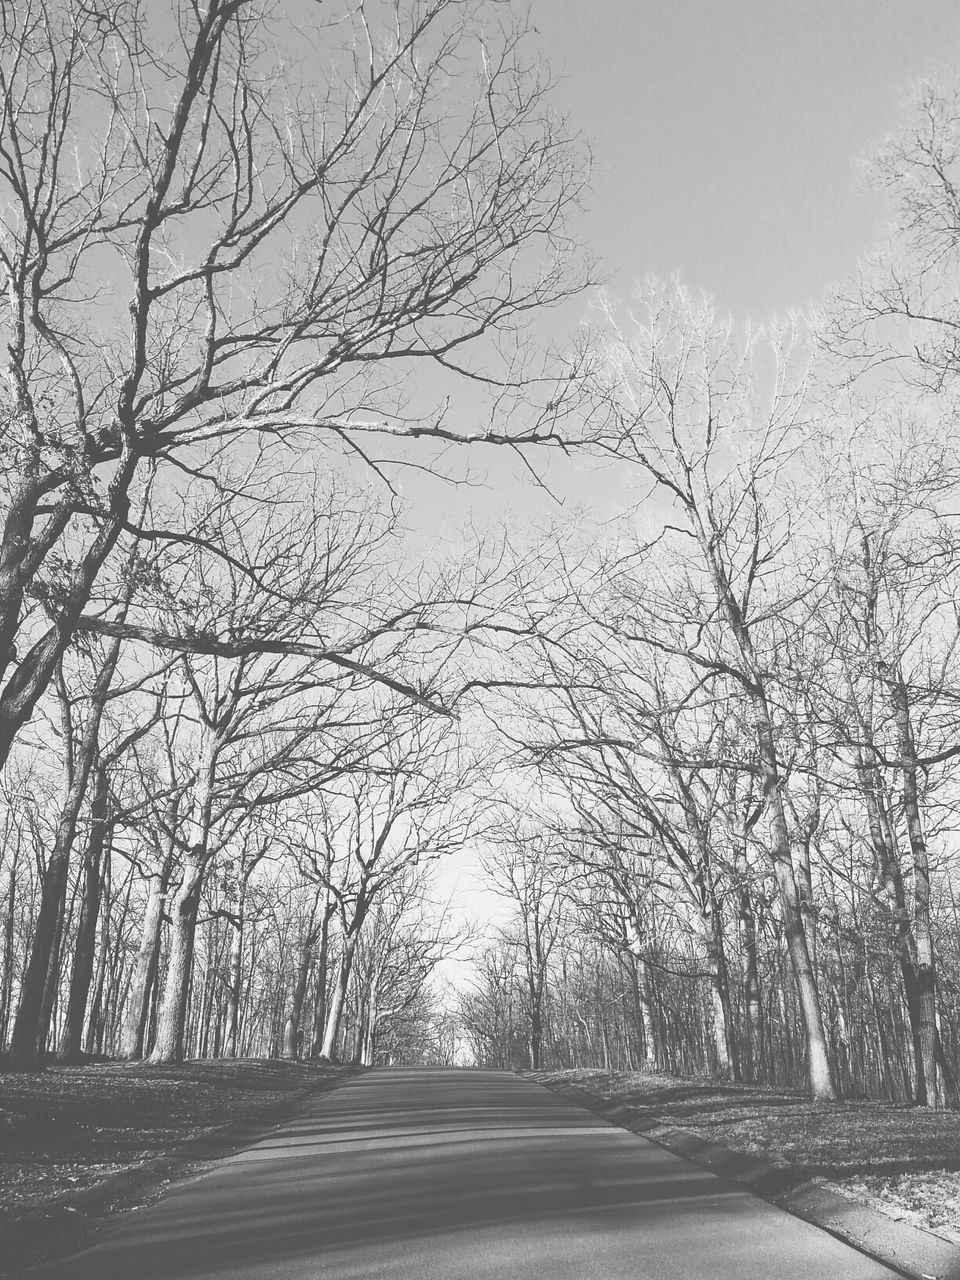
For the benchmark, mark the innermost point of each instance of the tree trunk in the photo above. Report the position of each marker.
(328, 1049)
(751, 987)
(29, 1032)
(368, 1055)
(721, 1014)
(26, 1050)
(86, 943)
(536, 1030)
(134, 1035)
(291, 1031)
(925, 978)
(700, 877)
(819, 1074)
(6, 961)
(320, 1001)
(93, 1043)
(236, 979)
(804, 879)
(650, 1054)
(168, 1046)
(883, 840)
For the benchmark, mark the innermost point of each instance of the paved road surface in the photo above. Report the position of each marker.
(458, 1175)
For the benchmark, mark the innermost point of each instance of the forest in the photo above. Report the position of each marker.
(262, 265)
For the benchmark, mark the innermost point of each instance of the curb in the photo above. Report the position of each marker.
(62, 1222)
(911, 1250)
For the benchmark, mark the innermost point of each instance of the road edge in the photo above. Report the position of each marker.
(911, 1250)
(63, 1223)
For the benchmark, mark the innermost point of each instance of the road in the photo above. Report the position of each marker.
(436, 1174)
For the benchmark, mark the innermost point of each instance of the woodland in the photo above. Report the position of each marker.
(261, 262)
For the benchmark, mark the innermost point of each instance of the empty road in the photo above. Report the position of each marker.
(436, 1174)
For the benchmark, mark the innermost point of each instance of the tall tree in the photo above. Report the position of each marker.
(710, 419)
(213, 237)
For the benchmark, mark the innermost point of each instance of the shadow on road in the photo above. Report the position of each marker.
(415, 1158)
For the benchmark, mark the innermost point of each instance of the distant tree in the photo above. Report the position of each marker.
(410, 801)
(523, 873)
(900, 310)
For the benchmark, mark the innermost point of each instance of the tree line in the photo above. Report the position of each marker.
(740, 710)
(233, 237)
(256, 262)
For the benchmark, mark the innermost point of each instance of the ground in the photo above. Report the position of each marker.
(901, 1160)
(67, 1128)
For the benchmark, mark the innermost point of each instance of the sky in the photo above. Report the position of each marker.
(727, 133)
(728, 138)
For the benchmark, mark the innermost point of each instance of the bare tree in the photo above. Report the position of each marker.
(523, 873)
(84, 757)
(711, 420)
(210, 237)
(900, 310)
(410, 802)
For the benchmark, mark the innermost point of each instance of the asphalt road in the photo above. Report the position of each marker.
(420, 1174)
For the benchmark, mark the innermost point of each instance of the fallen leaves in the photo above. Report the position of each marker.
(68, 1128)
(897, 1157)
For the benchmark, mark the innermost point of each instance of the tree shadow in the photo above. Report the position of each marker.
(404, 1173)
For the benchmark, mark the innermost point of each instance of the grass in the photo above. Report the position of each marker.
(902, 1160)
(68, 1128)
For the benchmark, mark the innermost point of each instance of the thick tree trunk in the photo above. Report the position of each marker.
(30, 1029)
(651, 1055)
(642, 987)
(711, 929)
(884, 842)
(134, 1036)
(320, 1001)
(86, 942)
(536, 1030)
(804, 877)
(291, 1031)
(925, 977)
(721, 1028)
(361, 1024)
(369, 1051)
(6, 957)
(819, 1074)
(26, 1049)
(203, 1014)
(184, 907)
(331, 1034)
(93, 1043)
(57, 963)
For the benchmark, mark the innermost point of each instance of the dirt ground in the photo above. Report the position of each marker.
(68, 1128)
(901, 1160)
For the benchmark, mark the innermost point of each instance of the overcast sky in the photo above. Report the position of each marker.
(727, 132)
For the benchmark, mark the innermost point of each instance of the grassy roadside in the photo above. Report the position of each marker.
(904, 1161)
(67, 1129)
